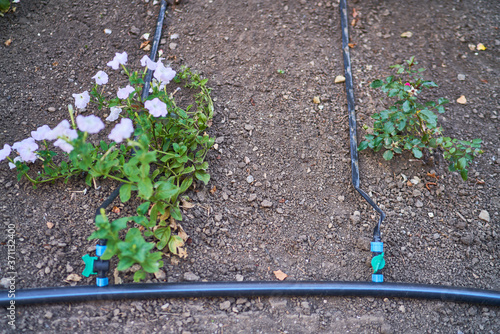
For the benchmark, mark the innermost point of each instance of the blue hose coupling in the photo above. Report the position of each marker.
(377, 278)
(101, 281)
(377, 247)
(100, 249)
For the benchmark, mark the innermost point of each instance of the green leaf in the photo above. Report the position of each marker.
(175, 242)
(388, 155)
(378, 262)
(406, 106)
(417, 153)
(143, 208)
(389, 127)
(462, 163)
(186, 183)
(166, 189)
(202, 176)
(363, 145)
(139, 274)
(163, 235)
(145, 188)
(125, 192)
(175, 212)
(376, 84)
(125, 263)
(464, 174)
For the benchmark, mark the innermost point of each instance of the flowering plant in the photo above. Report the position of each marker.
(156, 150)
(412, 125)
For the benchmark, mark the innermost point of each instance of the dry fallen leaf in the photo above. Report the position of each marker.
(316, 100)
(72, 278)
(144, 44)
(280, 275)
(116, 276)
(472, 47)
(407, 34)
(351, 45)
(462, 100)
(481, 47)
(115, 209)
(181, 233)
(50, 225)
(213, 190)
(186, 205)
(7, 42)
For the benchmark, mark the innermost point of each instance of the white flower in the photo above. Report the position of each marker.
(26, 149)
(122, 130)
(164, 74)
(124, 93)
(41, 133)
(62, 130)
(16, 159)
(101, 78)
(146, 61)
(120, 58)
(63, 145)
(82, 99)
(156, 107)
(113, 115)
(90, 124)
(5, 152)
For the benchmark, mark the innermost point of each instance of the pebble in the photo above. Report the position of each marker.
(417, 193)
(5, 282)
(225, 305)
(467, 239)
(252, 197)
(51, 109)
(266, 204)
(402, 309)
(160, 274)
(189, 276)
(250, 179)
(134, 30)
(356, 216)
(48, 315)
(341, 198)
(484, 215)
(174, 36)
(419, 204)
(461, 77)
(277, 302)
(249, 127)
(339, 79)
(172, 46)
(239, 278)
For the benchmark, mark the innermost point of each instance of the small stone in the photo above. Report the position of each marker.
(107, 31)
(249, 127)
(219, 140)
(172, 46)
(218, 217)
(305, 305)
(250, 179)
(277, 302)
(467, 239)
(417, 193)
(386, 329)
(160, 274)
(241, 301)
(134, 30)
(484, 215)
(225, 305)
(356, 216)
(316, 100)
(266, 204)
(5, 282)
(339, 79)
(341, 198)
(472, 311)
(402, 309)
(189, 276)
(247, 160)
(48, 315)
(419, 204)
(69, 268)
(51, 109)
(461, 77)
(47, 270)
(252, 197)
(239, 278)
(174, 36)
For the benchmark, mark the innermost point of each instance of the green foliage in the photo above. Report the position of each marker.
(158, 166)
(412, 125)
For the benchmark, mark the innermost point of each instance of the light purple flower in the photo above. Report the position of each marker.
(113, 115)
(120, 58)
(26, 149)
(81, 100)
(41, 133)
(146, 61)
(62, 130)
(101, 78)
(5, 152)
(16, 159)
(122, 130)
(90, 124)
(164, 74)
(63, 145)
(123, 93)
(156, 107)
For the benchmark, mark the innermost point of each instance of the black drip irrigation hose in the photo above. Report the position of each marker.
(253, 289)
(377, 246)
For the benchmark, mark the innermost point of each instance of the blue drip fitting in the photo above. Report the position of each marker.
(101, 281)
(377, 278)
(100, 249)
(376, 247)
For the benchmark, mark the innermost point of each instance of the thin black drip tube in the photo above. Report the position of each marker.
(251, 289)
(349, 87)
(145, 90)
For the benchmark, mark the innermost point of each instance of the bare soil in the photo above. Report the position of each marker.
(266, 61)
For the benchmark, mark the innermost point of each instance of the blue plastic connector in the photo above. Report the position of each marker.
(377, 278)
(100, 249)
(101, 281)
(377, 246)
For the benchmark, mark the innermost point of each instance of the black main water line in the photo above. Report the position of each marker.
(376, 245)
(251, 289)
